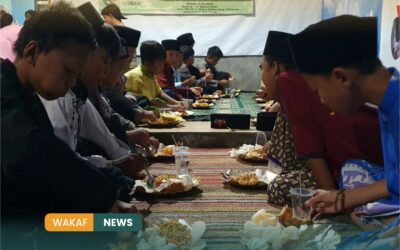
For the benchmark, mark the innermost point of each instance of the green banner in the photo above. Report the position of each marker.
(184, 7)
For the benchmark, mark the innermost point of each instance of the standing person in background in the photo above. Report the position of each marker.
(8, 36)
(112, 15)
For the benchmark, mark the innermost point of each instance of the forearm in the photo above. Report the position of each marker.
(366, 194)
(321, 173)
(168, 99)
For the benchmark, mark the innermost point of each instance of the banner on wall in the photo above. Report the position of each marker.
(184, 7)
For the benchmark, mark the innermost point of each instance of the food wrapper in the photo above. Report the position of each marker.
(264, 176)
(185, 183)
(151, 238)
(234, 153)
(265, 232)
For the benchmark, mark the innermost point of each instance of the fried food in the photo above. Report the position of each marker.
(166, 151)
(169, 118)
(245, 179)
(201, 105)
(286, 218)
(164, 178)
(176, 233)
(254, 155)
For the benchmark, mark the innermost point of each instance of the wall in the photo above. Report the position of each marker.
(246, 35)
(6, 3)
(18, 8)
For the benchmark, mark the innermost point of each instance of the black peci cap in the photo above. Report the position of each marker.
(277, 48)
(186, 39)
(171, 44)
(91, 14)
(335, 42)
(131, 36)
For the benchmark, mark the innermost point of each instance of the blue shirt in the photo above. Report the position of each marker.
(389, 113)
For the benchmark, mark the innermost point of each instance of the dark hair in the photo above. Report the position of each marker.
(151, 51)
(30, 12)
(366, 67)
(108, 38)
(215, 51)
(56, 27)
(289, 64)
(113, 9)
(5, 20)
(187, 52)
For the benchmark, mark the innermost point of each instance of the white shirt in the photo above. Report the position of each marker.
(72, 119)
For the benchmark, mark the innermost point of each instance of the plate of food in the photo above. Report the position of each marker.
(167, 185)
(255, 155)
(164, 154)
(173, 234)
(249, 179)
(198, 105)
(209, 97)
(167, 120)
(265, 230)
(187, 113)
(209, 101)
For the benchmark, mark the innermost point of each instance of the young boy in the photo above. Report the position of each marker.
(186, 39)
(305, 138)
(51, 51)
(221, 79)
(113, 88)
(188, 71)
(170, 80)
(141, 81)
(346, 76)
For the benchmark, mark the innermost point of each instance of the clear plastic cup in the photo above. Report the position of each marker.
(182, 154)
(299, 197)
(188, 103)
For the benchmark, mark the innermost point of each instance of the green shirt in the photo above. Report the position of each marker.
(140, 82)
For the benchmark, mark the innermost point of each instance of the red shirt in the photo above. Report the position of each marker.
(166, 80)
(321, 133)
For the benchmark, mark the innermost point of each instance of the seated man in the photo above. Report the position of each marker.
(170, 80)
(188, 71)
(114, 91)
(221, 79)
(141, 81)
(36, 164)
(346, 76)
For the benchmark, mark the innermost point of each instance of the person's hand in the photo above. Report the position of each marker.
(133, 166)
(139, 136)
(148, 116)
(224, 82)
(325, 202)
(123, 207)
(208, 77)
(178, 108)
(188, 82)
(265, 148)
(154, 143)
(276, 107)
(196, 91)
